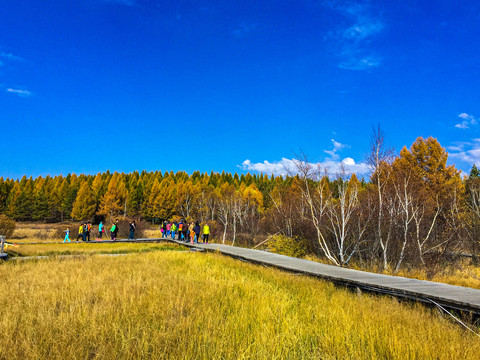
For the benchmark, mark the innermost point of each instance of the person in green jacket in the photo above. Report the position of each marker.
(206, 233)
(113, 231)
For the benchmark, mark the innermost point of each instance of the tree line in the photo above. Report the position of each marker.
(413, 210)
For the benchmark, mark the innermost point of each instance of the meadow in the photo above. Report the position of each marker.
(186, 305)
(462, 272)
(89, 249)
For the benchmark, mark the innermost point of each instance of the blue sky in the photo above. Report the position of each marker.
(91, 85)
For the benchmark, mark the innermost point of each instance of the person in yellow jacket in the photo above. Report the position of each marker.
(206, 233)
(80, 232)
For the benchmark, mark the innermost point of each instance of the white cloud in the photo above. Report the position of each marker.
(348, 161)
(471, 156)
(468, 120)
(467, 152)
(20, 92)
(336, 148)
(462, 125)
(351, 44)
(288, 166)
(455, 148)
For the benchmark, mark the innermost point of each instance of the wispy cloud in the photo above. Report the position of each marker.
(362, 30)
(354, 63)
(289, 166)
(10, 56)
(467, 121)
(243, 29)
(351, 43)
(466, 151)
(20, 92)
(336, 148)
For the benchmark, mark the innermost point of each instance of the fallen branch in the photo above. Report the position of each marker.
(268, 238)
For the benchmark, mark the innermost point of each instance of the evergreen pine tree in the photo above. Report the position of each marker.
(42, 206)
(474, 173)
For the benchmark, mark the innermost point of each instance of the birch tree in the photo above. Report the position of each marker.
(316, 194)
(379, 159)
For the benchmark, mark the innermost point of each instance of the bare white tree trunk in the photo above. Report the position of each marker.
(234, 229)
(340, 212)
(405, 198)
(379, 159)
(420, 238)
(224, 217)
(316, 196)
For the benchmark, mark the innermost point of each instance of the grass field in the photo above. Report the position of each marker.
(461, 273)
(89, 249)
(184, 305)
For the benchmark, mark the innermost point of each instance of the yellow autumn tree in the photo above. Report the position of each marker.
(187, 197)
(84, 205)
(113, 202)
(253, 197)
(154, 205)
(98, 188)
(429, 194)
(167, 198)
(426, 160)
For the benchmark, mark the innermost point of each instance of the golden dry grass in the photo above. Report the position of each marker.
(462, 273)
(182, 305)
(153, 233)
(38, 232)
(89, 249)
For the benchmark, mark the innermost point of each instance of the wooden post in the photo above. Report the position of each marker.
(2, 240)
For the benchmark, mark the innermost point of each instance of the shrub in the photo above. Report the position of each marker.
(7, 226)
(59, 233)
(284, 245)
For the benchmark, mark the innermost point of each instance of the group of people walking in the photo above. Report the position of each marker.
(85, 229)
(185, 231)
